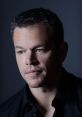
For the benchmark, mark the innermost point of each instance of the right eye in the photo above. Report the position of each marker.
(20, 52)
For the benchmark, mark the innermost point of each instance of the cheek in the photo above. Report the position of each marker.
(20, 64)
(45, 60)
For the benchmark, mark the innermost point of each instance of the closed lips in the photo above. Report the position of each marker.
(32, 71)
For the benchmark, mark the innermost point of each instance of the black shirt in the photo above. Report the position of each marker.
(67, 103)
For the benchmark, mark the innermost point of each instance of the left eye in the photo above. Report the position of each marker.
(40, 50)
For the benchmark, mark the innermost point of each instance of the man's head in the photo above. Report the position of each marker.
(40, 49)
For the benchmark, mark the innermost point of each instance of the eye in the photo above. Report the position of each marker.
(20, 51)
(40, 50)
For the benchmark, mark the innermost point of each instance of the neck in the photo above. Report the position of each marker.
(43, 98)
(44, 95)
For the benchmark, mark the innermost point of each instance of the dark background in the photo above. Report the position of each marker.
(69, 11)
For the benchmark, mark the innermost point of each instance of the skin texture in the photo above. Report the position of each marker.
(37, 61)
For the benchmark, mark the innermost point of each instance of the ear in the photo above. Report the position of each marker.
(63, 51)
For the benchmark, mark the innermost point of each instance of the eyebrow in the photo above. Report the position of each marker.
(19, 47)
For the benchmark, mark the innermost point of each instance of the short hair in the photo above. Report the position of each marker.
(40, 15)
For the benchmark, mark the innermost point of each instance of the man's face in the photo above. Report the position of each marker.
(34, 54)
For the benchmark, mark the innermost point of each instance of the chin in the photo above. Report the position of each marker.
(35, 83)
(34, 86)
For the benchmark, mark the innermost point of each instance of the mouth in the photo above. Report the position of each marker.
(33, 72)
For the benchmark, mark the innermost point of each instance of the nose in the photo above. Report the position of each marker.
(30, 58)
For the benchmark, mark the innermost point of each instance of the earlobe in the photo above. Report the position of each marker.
(63, 51)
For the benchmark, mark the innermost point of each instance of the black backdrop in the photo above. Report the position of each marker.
(69, 11)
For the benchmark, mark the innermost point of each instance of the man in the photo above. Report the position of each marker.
(40, 50)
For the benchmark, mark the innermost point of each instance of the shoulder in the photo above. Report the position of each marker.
(71, 86)
(71, 79)
(14, 98)
(12, 104)
(73, 89)
(74, 80)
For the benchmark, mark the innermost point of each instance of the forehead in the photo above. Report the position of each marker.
(38, 33)
(40, 28)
